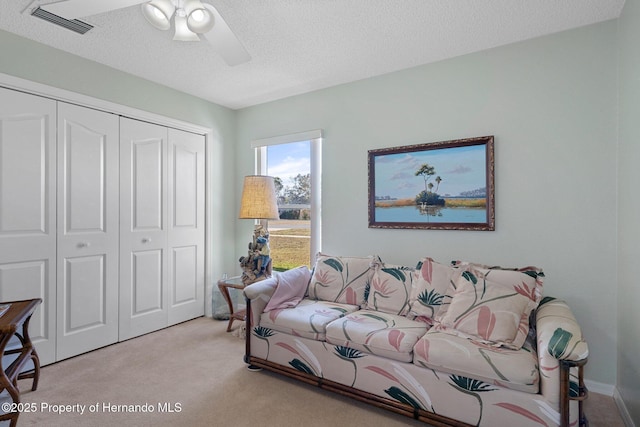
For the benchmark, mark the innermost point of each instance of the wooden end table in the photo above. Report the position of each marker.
(15, 322)
(224, 285)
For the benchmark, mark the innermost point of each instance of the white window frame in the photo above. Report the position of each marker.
(315, 138)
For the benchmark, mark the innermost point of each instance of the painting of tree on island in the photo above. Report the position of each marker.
(449, 183)
(427, 196)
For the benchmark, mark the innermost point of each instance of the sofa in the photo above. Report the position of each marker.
(450, 344)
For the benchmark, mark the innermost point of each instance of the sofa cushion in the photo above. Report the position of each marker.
(375, 332)
(514, 369)
(429, 289)
(390, 288)
(292, 285)
(308, 319)
(341, 279)
(495, 312)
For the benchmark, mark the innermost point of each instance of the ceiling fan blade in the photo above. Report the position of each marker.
(224, 41)
(72, 9)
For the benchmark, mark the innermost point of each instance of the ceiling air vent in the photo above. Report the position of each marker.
(73, 25)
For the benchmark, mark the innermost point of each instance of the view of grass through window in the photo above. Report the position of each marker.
(290, 236)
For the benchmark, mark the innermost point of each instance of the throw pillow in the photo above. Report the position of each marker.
(529, 279)
(536, 273)
(292, 285)
(427, 292)
(341, 279)
(390, 288)
(490, 306)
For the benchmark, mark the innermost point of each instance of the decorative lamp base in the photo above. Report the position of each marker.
(256, 265)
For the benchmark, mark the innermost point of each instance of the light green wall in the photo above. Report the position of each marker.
(551, 104)
(629, 209)
(33, 61)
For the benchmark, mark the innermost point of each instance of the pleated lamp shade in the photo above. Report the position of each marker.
(259, 198)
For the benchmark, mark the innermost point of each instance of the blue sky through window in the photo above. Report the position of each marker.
(285, 161)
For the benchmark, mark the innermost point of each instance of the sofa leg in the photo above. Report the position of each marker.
(247, 354)
(247, 332)
(565, 392)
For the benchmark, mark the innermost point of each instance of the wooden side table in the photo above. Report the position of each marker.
(15, 322)
(224, 285)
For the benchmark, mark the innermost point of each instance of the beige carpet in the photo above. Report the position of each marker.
(196, 370)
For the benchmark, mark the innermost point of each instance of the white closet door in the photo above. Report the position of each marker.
(186, 225)
(88, 232)
(143, 224)
(27, 210)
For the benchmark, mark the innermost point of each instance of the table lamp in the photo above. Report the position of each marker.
(258, 202)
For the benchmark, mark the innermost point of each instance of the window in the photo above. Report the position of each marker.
(295, 165)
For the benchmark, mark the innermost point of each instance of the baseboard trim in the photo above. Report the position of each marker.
(600, 388)
(622, 408)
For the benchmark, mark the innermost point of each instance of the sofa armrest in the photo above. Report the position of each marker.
(258, 295)
(562, 353)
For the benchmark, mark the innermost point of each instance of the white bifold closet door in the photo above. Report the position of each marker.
(186, 225)
(88, 229)
(143, 225)
(103, 218)
(161, 227)
(28, 211)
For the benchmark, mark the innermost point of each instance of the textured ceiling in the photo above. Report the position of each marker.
(297, 46)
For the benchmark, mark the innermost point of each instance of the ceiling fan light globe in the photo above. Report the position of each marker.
(197, 15)
(200, 21)
(158, 13)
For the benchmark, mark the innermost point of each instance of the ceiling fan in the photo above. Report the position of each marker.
(193, 20)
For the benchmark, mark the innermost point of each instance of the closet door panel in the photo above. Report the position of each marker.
(147, 295)
(23, 156)
(147, 183)
(85, 291)
(185, 274)
(88, 231)
(28, 210)
(143, 228)
(85, 179)
(186, 225)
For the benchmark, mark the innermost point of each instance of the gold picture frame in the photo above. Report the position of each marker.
(446, 185)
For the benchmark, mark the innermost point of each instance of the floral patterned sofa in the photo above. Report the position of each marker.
(456, 345)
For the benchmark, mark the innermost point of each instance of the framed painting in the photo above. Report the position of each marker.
(447, 185)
